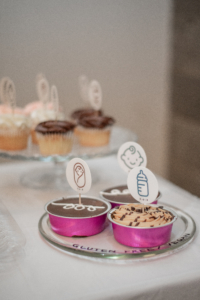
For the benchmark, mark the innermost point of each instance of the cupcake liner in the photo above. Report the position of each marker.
(93, 137)
(14, 139)
(55, 143)
(9, 132)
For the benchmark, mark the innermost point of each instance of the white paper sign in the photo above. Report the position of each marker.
(54, 98)
(84, 88)
(43, 90)
(78, 175)
(143, 185)
(95, 95)
(11, 93)
(3, 89)
(131, 155)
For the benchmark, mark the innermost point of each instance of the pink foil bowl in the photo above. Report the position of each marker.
(115, 204)
(86, 226)
(142, 237)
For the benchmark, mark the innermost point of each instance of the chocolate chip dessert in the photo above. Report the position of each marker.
(139, 216)
(136, 225)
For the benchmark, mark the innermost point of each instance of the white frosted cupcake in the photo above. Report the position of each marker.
(14, 132)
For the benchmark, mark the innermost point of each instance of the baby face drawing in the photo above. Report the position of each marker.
(79, 175)
(132, 158)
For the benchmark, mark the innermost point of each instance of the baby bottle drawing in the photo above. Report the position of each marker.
(79, 175)
(142, 184)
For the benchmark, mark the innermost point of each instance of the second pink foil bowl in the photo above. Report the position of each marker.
(117, 203)
(86, 226)
(142, 237)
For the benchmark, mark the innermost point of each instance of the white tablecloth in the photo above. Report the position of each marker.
(44, 272)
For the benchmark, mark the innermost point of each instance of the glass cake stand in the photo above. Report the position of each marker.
(42, 178)
(103, 245)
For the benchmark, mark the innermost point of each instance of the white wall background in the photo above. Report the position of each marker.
(124, 44)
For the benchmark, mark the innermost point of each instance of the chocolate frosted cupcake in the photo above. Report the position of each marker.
(55, 137)
(94, 131)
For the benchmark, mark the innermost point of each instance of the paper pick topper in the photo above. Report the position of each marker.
(78, 175)
(142, 185)
(54, 99)
(131, 155)
(3, 89)
(83, 85)
(95, 94)
(8, 92)
(42, 86)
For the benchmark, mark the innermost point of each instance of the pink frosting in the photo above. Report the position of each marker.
(5, 109)
(35, 105)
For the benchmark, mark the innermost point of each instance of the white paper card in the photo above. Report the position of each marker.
(142, 185)
(3, 89)
(43, 90)
(11, 93)
(79, 175)
(131, 155)
(84, 86)
(54, 98)
(95, 95)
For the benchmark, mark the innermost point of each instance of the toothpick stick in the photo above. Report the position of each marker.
(79, 198)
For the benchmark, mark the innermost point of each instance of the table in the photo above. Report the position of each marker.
(44, 272)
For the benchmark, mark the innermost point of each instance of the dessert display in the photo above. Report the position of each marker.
(55, 137)
(70, 218)
(94, 131)
(14, 132)
(120, 195)
(136, 225)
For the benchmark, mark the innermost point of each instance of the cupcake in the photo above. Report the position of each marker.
(83, 113)
(40, 115)
(120, 195)
(55, 137)
(35, 105)
(137, 226)
(14, 132)
(69, 218)
(94, 131)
